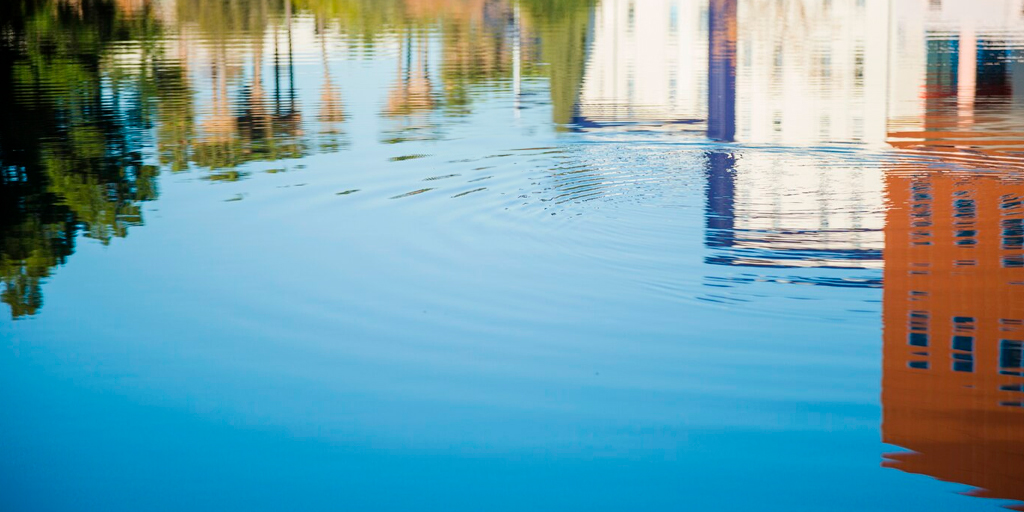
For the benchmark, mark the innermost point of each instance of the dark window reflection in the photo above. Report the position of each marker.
(1010, 358)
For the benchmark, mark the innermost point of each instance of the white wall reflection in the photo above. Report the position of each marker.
(647, 63)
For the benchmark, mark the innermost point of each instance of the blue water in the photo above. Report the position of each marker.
(480, 305)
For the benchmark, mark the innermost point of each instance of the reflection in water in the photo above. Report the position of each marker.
(722, 70)
(71, 138)
(331, 113)
(218, 83)
(625, 84)
(244, 119)
(782, 211)
(412, 95)
(835, 139)
(953, 380)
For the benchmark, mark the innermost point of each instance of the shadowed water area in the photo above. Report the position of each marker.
(511, 255)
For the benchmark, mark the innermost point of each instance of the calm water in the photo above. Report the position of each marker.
(511, 255)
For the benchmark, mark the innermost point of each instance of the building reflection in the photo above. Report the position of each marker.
(945, 216)
(626, 84)
(778, 211)
(784, 212)
(953, 231)
(953, 379)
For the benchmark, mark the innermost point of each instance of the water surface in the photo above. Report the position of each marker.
(508, 255)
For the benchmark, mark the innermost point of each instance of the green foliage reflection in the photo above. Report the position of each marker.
(70, 152)
(99, 96)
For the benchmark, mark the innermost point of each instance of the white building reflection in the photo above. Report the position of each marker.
(811, 71)
(806, 71)
(914, 75)
(647, 64)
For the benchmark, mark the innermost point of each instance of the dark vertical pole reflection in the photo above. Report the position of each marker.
(277, 75)
(721, 122)
(291, 62)
(722, 70)
(719, 212)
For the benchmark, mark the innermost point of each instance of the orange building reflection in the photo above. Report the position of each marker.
(953, 378)
(953, 382)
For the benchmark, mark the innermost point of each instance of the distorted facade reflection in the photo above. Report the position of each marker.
(812, 71)
(625, 83)
(773, 211)
(958, 79)
(953, 380)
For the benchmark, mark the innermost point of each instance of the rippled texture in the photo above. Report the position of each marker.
(508, 255)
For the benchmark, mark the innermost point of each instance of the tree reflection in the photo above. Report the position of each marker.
(563, 26)
(70, 137)
(245, 121)
(90, 87)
